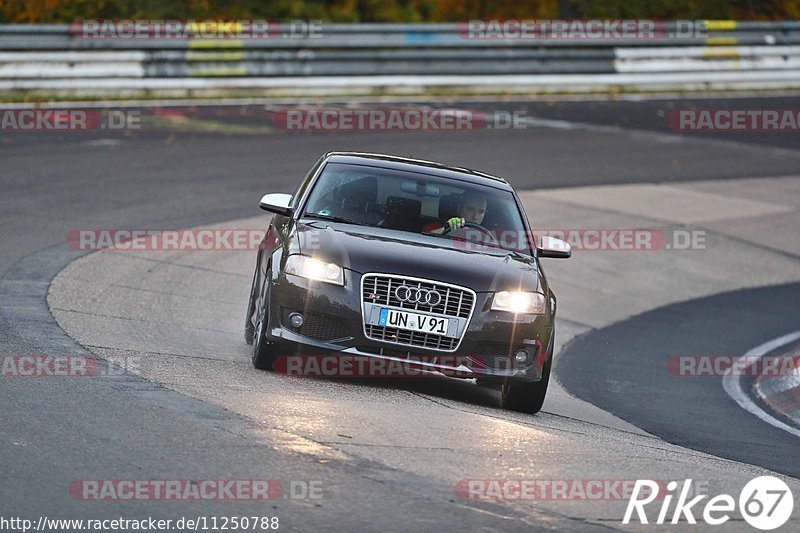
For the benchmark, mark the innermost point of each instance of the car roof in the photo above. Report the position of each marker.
(418, 165)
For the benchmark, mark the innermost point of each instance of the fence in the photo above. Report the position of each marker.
(357, 58)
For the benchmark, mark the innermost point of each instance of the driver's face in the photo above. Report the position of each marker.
(473, 211)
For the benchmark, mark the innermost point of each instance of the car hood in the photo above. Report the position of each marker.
(368, 249)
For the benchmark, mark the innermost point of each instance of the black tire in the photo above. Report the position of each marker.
(249, 327)
(528, 397)
(263, 351)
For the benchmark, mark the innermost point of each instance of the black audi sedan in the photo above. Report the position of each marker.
(399, 259)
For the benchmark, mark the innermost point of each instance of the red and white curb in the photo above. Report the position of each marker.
(778, 392)
(782, 393)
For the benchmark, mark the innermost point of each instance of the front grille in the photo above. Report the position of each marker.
(498, 355)
(389, 352)
(411, 338)
(455, 301)
(494, 355)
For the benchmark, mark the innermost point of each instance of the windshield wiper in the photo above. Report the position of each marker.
(512, 251)
(451, 237)
(517, 253)
(334, 218)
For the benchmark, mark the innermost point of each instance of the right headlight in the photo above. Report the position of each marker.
(519, 302)
(313, 268)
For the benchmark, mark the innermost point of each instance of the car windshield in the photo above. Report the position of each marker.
(419, 203)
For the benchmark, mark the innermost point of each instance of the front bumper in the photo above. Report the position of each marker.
(335, 325)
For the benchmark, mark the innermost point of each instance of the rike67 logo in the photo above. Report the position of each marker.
(765, 503)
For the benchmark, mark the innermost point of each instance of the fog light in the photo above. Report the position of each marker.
(296, 320)
(521, 356)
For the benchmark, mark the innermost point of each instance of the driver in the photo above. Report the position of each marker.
(471, 208)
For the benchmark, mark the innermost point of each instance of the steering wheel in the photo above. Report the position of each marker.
(492, 239)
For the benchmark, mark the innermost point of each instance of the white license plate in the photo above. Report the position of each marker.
(413, 321)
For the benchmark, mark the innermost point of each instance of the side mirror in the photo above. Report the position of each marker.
(555, 248)
(277, 203)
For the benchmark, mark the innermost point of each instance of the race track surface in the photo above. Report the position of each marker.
(390, 454)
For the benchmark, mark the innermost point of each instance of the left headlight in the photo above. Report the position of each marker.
(312, 268)
(519, 302)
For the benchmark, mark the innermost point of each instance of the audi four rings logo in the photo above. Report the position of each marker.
(417, 295)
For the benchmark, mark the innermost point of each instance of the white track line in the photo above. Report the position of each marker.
(733, 383)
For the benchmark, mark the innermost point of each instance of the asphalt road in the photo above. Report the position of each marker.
(623, 369)
(60, 430)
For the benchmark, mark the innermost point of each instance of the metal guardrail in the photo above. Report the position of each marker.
(61, 37)
(43, 57)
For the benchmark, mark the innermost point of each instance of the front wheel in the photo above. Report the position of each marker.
(528, 397)
(263, 350)
(249, 328)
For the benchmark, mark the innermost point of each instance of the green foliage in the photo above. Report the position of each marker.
(393, 10)
(691, 9)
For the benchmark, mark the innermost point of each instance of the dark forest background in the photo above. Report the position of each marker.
(394, 10)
